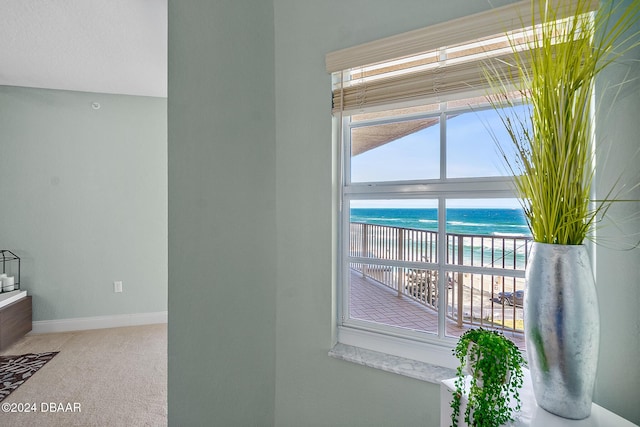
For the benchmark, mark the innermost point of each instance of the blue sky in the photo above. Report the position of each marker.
(471, 152)
(432, 204)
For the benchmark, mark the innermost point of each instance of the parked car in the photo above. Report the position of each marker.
(511, 298)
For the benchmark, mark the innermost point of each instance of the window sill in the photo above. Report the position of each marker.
(399, 365)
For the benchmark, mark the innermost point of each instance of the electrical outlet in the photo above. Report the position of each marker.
(117, 286)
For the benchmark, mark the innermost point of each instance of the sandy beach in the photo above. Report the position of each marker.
(479, 296)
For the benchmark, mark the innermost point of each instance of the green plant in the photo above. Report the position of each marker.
(554, 162)
(495, 364)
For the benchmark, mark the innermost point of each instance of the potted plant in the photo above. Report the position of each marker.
(495, 367)
(553, 168)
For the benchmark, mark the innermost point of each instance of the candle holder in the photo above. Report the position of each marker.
(10, 267)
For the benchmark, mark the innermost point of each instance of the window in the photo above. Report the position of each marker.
(432, 240)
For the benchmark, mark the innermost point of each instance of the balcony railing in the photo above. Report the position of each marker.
(483, 275)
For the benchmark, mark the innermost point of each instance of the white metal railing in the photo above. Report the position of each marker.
(484, 275)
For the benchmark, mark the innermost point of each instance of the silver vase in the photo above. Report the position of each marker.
(562, 328)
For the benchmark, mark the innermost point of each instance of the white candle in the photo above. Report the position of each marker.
(8, 283)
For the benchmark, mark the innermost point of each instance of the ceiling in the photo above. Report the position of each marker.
(105, 46)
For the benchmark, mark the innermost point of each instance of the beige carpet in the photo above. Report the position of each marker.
(105, 377)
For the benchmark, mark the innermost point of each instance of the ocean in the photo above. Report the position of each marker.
(487, 221)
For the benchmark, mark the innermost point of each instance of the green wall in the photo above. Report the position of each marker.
(84, 200)
(617, 268)
(222, 258)
(251, 208)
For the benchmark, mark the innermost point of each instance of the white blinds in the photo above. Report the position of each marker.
(437, 63)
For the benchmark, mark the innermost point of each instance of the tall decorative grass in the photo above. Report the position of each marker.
(553, 142)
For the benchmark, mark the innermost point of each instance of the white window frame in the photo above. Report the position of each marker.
(420, 346)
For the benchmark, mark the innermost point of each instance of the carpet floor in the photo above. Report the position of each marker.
(104, 377)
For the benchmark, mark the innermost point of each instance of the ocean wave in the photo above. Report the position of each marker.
(364, 219)
(516, 235)
(471, 224)
(489, 224)
(496, 223)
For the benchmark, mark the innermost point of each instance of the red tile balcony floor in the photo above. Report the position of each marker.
(374, 302)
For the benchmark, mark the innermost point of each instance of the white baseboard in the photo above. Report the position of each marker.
(98, 322)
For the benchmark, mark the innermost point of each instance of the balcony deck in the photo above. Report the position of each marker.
(375, 302)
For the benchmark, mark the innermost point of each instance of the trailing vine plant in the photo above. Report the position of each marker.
(495, 367)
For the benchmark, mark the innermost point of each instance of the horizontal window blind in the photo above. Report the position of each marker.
(438, 63)
(445, 83)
